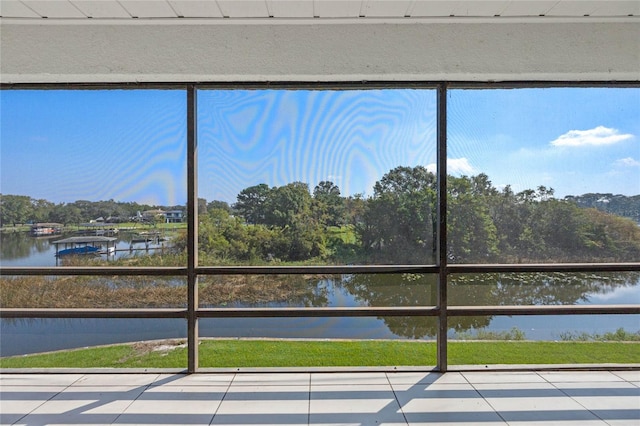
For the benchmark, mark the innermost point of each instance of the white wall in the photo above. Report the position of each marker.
(47, 50)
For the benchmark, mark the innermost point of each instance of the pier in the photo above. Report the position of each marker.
(46, 229)
(85, 245)
(102, 229)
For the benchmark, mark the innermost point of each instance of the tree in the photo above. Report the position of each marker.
(288, 203)
(251, 203)
(15, 209)
(564, 229)
(326, 189)
(403, 180)
(399, 222)
(611, 237)
(355, 207)
(506, 214)
(211, 238)
(202, 206)
(87, 209)
(328, 204)
(289, 209)
(66, 214)
(482, 186)
(617, 204)
(471, 234)
(41, 210)
(217, 204)
(303, 239)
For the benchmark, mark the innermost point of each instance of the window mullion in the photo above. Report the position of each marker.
(192, 231)
(441, 228)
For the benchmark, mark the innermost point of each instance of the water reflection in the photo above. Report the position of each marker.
(405, 290)
(15, 245)
(360, 290)
(21, 249)
(239, 291)
(538, 288)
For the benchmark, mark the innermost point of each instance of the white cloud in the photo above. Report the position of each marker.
(593, 137)
(627, 162)
(455, 166)
(459, 165)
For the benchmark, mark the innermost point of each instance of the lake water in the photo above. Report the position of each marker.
(20, 249)
(22, 336)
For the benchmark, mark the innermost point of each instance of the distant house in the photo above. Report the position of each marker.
(174, 216)
(150, 215)
(171, 216)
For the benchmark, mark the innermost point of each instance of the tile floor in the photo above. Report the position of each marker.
(468, 398)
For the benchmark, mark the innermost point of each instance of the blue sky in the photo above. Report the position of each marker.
(131, 145)
(276, 137)
(94, 145)
(575, 140)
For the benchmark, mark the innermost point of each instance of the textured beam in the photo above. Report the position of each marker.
(319, 50)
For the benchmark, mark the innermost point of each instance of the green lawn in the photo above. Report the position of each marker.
(233, 353)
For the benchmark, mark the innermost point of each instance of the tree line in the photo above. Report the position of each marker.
(21, 209)
(611, 203)
(397, 224)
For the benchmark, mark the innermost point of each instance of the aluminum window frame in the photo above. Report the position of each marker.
(192, 313)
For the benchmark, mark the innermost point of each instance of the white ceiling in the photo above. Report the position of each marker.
(147, 9)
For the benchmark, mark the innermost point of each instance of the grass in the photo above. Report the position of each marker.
(17, 228)
(481, 353)
(481, 334)
(235, 353)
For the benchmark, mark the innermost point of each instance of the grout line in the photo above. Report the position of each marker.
(404, 416)
(578, 402)
(309, 401)
(485, 400)
(47, 400)
(631, 382)
(222, 400)
(575, 400)
(149, 385)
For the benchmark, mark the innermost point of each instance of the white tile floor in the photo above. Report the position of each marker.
(486, 398)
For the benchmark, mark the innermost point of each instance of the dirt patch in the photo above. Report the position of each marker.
(140, 349)
(163, 346)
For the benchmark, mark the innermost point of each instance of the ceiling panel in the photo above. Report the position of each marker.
(101, 8)
(434, 8)
(573, 8)
(618, 8)
(244, 9)
(16, 9)
(291, 8)
(196, 8)
(124, 9)
(528, 8)
(149, 8)
(480, 8)
(337, 8)
(54, 8)
(595, 8)
(385, 8)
